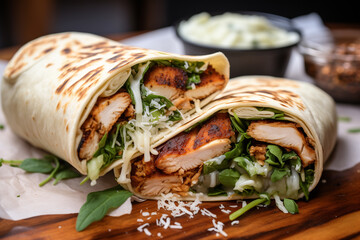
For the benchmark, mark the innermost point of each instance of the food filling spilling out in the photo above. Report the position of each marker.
(226, 155)
(156, 95)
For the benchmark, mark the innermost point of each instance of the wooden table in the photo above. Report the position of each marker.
(333, 212)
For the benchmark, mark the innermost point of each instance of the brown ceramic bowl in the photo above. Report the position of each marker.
(255, 61)
(333, 62)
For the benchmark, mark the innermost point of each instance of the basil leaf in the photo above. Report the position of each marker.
(229, 177)
(2, 127)
(98, 204)
(35, 165)
(65, 174)
(291, 206)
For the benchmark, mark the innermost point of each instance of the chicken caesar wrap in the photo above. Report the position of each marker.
(95, 102)
(262, 135)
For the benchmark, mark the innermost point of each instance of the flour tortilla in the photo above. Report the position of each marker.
(51, 84)
(302, 103)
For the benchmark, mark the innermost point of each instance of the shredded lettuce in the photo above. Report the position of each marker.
(280, 173)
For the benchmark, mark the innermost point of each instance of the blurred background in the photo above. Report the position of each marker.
(24, 20)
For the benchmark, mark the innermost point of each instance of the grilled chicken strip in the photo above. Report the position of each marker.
(211, 81)
(190, 150)
(167, 81)
(103, 116)
(284, 134)
(171, 82)
(180, 160)
(149, 181)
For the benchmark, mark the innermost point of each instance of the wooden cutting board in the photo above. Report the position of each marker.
(333, 212)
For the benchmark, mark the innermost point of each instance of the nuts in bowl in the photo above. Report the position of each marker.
(254, 42)
(333, 62)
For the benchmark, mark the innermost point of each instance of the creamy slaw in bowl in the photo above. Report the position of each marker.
(235, 30)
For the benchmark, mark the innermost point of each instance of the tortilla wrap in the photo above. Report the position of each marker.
(52, 83)
(250, 98)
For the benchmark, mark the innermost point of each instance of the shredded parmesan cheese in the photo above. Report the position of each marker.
(218, 227)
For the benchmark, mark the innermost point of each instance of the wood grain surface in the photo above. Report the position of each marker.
(333, 212)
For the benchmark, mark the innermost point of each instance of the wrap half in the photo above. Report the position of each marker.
(94, 102)
(261, 135)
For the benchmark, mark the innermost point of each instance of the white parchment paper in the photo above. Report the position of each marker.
(21, 197)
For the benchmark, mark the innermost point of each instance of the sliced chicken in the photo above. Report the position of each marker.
(284, 134)
(161, 183)
(211, 81)
(157, 182)
(101, 119)
(190, 150)
(166, 81)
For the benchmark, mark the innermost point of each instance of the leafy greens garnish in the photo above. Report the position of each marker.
(354, 130)
(49, 164)
(98, 204)
(291, 206)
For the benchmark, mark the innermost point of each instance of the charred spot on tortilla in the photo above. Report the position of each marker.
(138, 55)
(61, 87)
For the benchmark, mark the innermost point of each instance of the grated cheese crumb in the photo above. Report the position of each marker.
(221, 206)
(145, 214)
(141, 228)
(218, 227)
(235, 222)
(226, 211)
(147, 232)
(323, 181)
(140, 220)
(206, 212)
(233, 206)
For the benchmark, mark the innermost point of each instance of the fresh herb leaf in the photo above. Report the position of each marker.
(98, 204)
(34, 165)
(229, 177)
(279, 173)
(2, 127)
(344, 119)
(193, 78)
(66, 173)
(291, 206)
(244, 163)
(354, 130)
(57, 166)
(175, 116)
(45, 165)
(309, 178)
